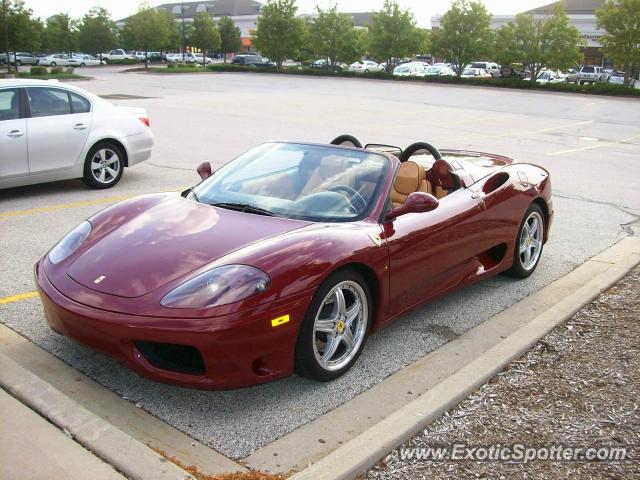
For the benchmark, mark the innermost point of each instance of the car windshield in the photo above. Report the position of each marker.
(477, 65)
(588, 70)
(617, 74)
(469, 71)
(307, 182)
(544, 76)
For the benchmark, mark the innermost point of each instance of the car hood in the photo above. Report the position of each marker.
(166, 242)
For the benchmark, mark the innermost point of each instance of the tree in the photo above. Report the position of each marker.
(61, 33)
(173, 31)
(97, 33)
(393, 34)
(539, 42)
(230, 36)
(146, 30)
(23, 31)
(205, 34)
(279, 31)
(620, 21)
(465, 34)
(333, 36)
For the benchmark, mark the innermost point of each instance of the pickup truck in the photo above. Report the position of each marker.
(117, 54)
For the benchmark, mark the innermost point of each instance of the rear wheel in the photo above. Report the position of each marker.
(52, 64)
(529, 243)
(103, 166)
(335, 327)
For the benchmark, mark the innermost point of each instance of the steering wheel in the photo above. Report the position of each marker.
(353, 195)
(415, 147)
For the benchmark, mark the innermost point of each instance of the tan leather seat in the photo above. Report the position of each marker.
(327, 168)
(410, 178)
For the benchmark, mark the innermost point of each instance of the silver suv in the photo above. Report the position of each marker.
(590, 74)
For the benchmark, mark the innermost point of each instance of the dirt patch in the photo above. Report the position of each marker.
(578, 387)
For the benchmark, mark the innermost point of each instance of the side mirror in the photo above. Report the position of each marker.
(416, 202)
(204, 170)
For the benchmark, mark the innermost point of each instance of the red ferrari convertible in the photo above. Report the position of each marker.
(287, 258)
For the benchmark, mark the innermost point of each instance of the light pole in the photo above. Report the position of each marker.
(6, 33)
(182, 45)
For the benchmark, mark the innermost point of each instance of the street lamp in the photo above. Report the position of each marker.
(6, 33)
(182, 45)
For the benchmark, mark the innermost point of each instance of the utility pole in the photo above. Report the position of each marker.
(182, 45)
(6, 33)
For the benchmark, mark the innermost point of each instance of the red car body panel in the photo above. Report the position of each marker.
(148, 245)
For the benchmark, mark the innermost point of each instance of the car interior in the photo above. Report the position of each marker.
(9, 105)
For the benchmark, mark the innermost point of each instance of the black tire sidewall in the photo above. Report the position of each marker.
(516, 269)
(305, 362)
(88, 178)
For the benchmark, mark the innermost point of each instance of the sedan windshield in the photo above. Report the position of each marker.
(308, 182)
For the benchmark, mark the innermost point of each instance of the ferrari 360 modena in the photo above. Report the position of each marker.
(287, 258)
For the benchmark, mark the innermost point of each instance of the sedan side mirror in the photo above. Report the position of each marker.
(204, 170)
(416, 202)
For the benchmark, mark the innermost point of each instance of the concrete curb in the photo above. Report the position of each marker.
(118, 449)
(362, 452)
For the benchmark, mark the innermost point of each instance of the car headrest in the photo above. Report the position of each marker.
(443, 175)
(410, 174)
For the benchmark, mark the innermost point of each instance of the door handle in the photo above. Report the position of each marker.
(80, 126)
(15, 133)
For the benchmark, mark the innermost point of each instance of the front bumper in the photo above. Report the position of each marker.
(250, 352)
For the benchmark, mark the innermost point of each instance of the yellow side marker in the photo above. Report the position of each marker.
(276, 322)
(17, 298)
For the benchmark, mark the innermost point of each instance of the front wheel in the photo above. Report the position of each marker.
(103, 166)
(52, 64)
(529, 243)
(335, 327)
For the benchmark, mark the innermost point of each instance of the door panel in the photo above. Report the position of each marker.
(431, 251)
(13, 135)
(56, 136)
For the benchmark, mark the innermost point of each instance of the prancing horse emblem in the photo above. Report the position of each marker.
(99, 279)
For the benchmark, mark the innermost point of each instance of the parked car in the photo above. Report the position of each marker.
(617, 78)
(117, 54)
(52, 131)
(83, 61)
(20, 58)
(410, 69)
(489, 67)
(365, 66)
(439, 71)
(252, 61)
(173, 57)
(199, 59)
(475, 73)
(292, 254)
(571, 75)
(54, 59)
(589, 74)
(551, 76)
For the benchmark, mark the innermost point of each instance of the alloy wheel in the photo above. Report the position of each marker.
(105, 165)
(530, 243)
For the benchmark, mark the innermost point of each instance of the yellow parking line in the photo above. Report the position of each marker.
(17, 298)
(591, 147)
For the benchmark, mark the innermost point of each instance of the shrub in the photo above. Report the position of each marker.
(69, 70)
(122, 62)
(57, 70)
(38, 70)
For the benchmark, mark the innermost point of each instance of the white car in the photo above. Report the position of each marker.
(174, 57)
(51, 131)
(475, 73)
(199, 59)
(54, 60)
(489, 67)
(365, 67)
(550, 76)
(409, 70)
(81, 60)
(439, 71)
(116, 54)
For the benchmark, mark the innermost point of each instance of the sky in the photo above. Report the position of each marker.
(422, 9)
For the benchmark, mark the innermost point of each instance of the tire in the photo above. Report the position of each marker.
(528, 249)
(52, 64)
(83, 65)
(18, 63)
(103, 166)
(348, 326)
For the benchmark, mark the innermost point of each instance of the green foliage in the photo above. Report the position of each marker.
(465, 34)
(333, 36)
(174, 33)
(25, 31)
(230, 36)
(279, 31)
(97, 33)
(147, 30)
(205, 34)
(57, 70)
(38, 70)
(539, 42)
(393, 34)
(61, 33)
(620, 21)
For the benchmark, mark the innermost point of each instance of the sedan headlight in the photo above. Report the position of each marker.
(218, 286)
(70, 242)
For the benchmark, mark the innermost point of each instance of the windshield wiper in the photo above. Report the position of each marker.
(245, 208)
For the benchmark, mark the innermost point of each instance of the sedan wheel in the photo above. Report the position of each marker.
(529, 243)
(104, 166)
(53, 64)
(335, 327)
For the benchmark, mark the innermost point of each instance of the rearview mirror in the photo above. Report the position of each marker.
(416, 202)
(204, 170)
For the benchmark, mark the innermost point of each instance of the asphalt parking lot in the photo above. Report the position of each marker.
(590, 144)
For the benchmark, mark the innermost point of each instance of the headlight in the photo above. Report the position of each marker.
(219, 286)
(70, 243)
